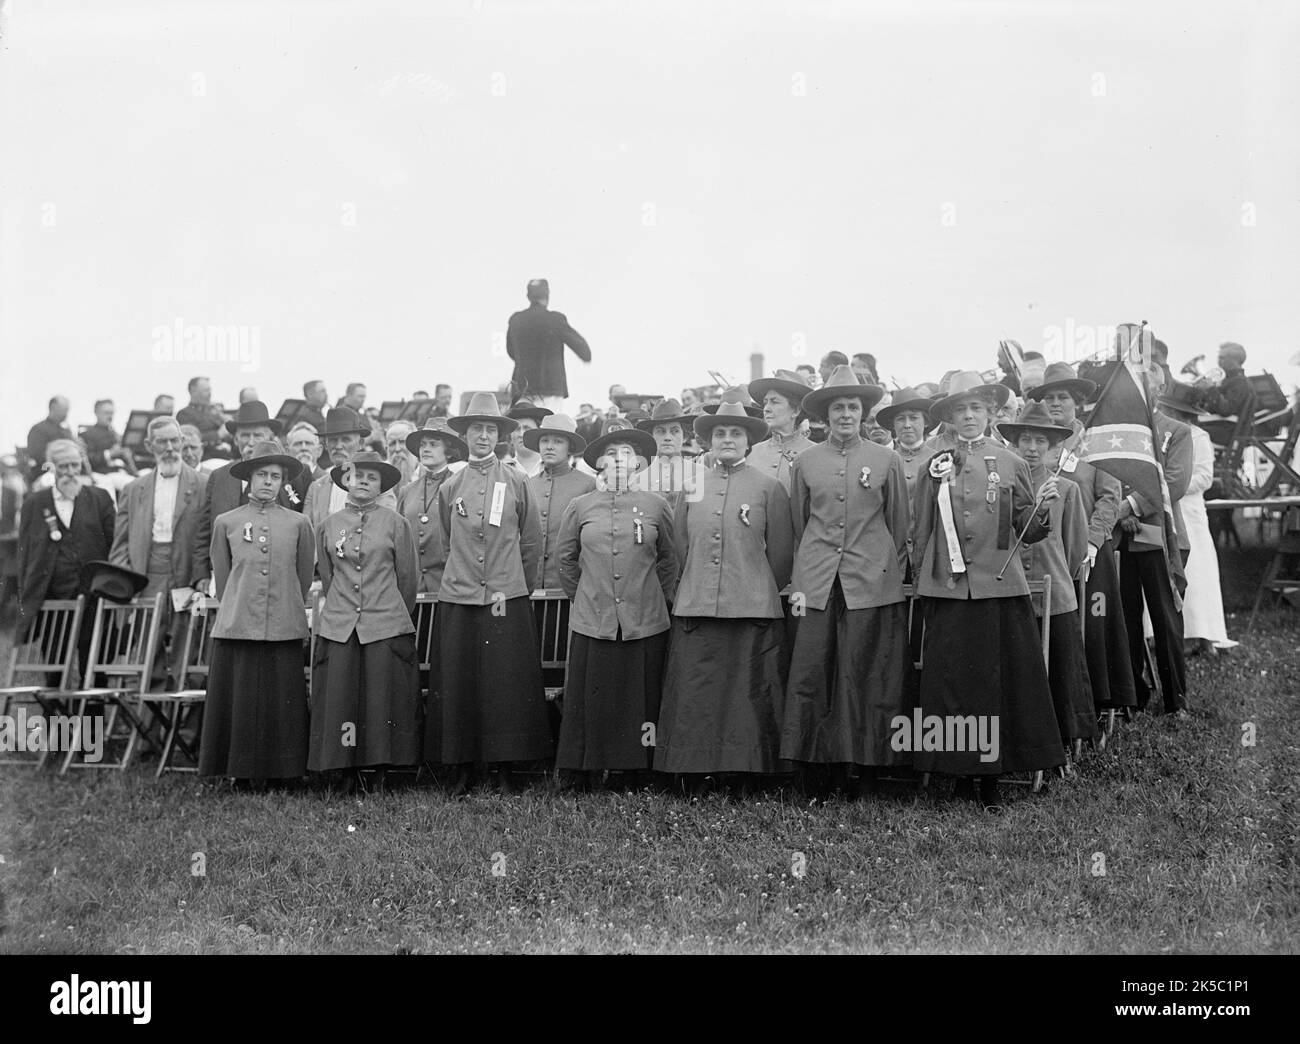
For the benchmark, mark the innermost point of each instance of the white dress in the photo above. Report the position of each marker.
(1203, 602)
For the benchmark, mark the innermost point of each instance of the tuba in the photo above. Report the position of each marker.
(1201, 378)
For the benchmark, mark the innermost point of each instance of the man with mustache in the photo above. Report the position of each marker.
(157, 520)
(344, 433)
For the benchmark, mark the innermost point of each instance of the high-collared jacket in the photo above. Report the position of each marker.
(775, 455)
(224, 493)
(1060, 554)
(914, 462)
(735, 545)
(986, 531)
(365, 555)
(262, 562)
(89, 538)
(418, 504)
(851, 520)
(133, 529)
(553, 489)
(486, 562)
(316, 505)
(676, 479)
(618, 564)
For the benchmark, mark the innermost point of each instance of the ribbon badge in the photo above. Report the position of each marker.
(865, 477)
(248, 532)
(941, 466)
(292, 494)
(338, 544)
(459, 504)
(56, 534)
(744, 513)
(639, 530)
(991, 493)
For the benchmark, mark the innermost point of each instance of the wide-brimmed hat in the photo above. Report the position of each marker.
(903, 401)
(842, 383)
(967, 384)
(1060, 376)
(267, 453)
(641, 441)
(555, 424)
(528, 411)
(114, 582)
(1182, 398)
(437, 428)
(484, 409)
(738, 394)
(343, 420)
(731, 413)
(785, 382)
(1034, 418)
(669, 411)
(390, 476)
(253, 414)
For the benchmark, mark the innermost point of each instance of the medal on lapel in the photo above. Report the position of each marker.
(865, 477)
(744, 514)
(338, 544)
(248, 532)
(424, 519)
(460, 507)
(56, 534)
(991, 493)
(292, 494)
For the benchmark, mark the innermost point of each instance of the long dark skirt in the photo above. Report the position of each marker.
(984, 657)
(612, 693)
(255, 714)
(847, 683)
(365, 705)
(1110, 667)
(489, 684)
(426, 659)
(1068, 675)
(723, 695)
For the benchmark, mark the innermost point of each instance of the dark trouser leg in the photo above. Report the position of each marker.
(1147, 573)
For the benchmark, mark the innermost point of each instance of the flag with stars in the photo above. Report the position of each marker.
(1119, 438)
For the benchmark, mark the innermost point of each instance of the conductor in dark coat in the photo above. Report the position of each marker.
(535, 340)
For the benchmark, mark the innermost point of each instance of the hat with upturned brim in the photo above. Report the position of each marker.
(556, 424)
(1181, 398)
(1060, 376)
(967, 384)
(905, 400)
(343, 420)
(437, 428)
(669, 411)
(842, 383)
(528, 411)
(265, 453)
(390, 476)
(642, 442)
(484, 409)
(1035, 418)
(731, 413)
(785, 382)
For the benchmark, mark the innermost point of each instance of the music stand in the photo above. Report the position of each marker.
(417, 411)
(135, 434)
(390, 410)
(629, 403)
(289, 412)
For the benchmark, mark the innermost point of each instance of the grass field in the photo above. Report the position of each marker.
(1197, 831)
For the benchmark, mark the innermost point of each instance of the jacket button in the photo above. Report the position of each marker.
(264, 572)
(482, 583)
(615, 550)
(618, 576)
(356, 587)
(358, 608)
(480, 558)
(840, 497)
(543, 514)
(358, 568)
(839, 550)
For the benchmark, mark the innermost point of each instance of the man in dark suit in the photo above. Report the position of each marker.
(1234, 395)
(157, 516)
(535, 340)
(60, 529)
(251, 426)
(42, 433)
(1144, 569)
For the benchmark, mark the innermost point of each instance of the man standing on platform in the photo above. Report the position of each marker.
(535, 340)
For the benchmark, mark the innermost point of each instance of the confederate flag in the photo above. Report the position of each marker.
(1119, 438)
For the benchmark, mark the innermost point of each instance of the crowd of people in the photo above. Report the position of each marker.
(731, 566)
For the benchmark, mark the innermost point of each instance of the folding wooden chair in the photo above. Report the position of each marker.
(122, 650)
(182, 709)
(51, 648)
(552, 609)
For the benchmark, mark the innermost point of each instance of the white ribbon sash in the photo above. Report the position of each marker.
(955, 560)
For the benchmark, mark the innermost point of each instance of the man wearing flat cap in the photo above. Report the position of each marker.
(535, 340)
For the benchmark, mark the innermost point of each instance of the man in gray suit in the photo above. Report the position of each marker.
(157, 518)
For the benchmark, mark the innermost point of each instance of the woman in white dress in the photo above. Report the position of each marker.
(1203, 602)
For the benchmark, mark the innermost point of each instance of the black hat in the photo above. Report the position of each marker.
(732, 413)
(528, 411)
(1034, 417)
(389, 475)
(267, 453)
(113, 582)
(667, 411)
(253, 414)
(1182, 398)
(1060, 376)
(641, 441)
(343, 420)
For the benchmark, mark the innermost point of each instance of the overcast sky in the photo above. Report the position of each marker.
(366, 187)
